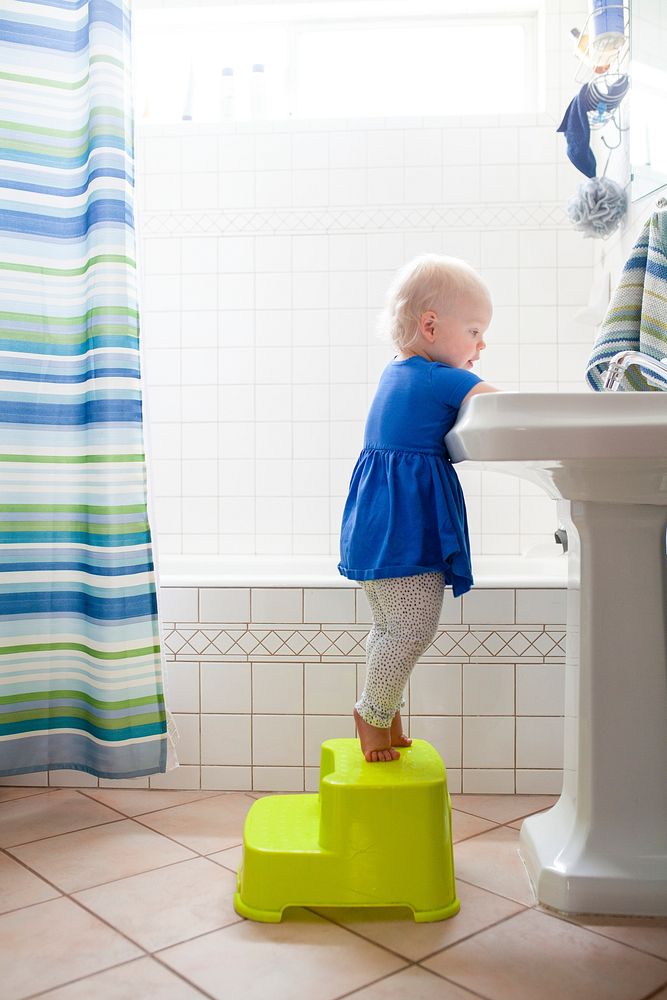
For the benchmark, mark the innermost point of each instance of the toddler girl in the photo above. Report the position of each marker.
(404, 533)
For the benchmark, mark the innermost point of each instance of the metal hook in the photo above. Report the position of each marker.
(620, 129)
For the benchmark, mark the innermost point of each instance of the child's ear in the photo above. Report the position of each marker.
(427, 322)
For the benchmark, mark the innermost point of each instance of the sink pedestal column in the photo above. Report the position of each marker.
(603, 847)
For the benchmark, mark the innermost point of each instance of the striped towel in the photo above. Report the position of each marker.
(636, 319)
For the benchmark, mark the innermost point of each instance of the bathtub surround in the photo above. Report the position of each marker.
(80, 664)
(258, 675)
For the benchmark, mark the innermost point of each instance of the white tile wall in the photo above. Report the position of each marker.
(260, 299)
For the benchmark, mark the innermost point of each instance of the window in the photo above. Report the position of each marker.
(331, 60)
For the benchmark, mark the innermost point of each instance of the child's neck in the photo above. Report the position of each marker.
(404, 355)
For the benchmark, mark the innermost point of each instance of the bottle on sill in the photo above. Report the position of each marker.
(227, 93)
(258, 103)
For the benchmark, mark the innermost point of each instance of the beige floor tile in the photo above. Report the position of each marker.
(465, 825)
(397, 930)
(662, 995)
(36, 816)
(19, 887)
(51, 943)
(502, 808)
(231, 858)
(136, 801)
(536, 955)
(518, 823)
(6, 794)
(166, 906)
(413, 984)
(646, 933)
(139, 979)
(302, 958)
(80, 860)
(492, 862)
(207, 825)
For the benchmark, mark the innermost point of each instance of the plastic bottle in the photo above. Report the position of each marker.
(227, 93)
(258, 105)
(188, 101)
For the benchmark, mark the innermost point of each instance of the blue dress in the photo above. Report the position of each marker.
(405, 512)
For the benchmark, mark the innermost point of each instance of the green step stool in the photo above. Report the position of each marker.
(375, 835)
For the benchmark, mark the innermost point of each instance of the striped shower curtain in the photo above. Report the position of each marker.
(80, 664)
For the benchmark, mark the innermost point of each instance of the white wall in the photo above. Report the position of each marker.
(266, 252)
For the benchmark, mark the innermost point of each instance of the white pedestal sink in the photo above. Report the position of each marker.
(603, 847)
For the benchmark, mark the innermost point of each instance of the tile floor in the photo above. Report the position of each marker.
(121, 894)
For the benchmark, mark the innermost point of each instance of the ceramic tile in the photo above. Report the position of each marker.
(541, 607)
(181, 682)
(18, 793)
(278, 779)
(465, 825)
(37, 953)
(142, 978)
(645, 933)
(256, 960)
(205, 826)
(539, 742)
(179, 604)
(277, 688)
(502, 808)
(85, 858)
(19, 887)
(226, 778)
(226, 687)
(164, 907)
(416, 983)
(435, 689)
(491, 860)
(224, 604)
(536, 781)
(482, 606)
(278, 740)
(135, 802)
(231, 858)
(183, 777)
(330, 688)
(328, 605)
(518, 823)
(226, 739)
(488, 741)
(522, 958)
(398, 931)
(276, 604)
(487, 781)
(37, 816)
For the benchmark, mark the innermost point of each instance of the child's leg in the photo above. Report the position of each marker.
(405, 611)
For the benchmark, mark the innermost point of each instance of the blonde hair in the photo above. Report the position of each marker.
(430, 281)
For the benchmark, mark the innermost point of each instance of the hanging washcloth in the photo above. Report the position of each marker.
(577, 129)
(636, 318)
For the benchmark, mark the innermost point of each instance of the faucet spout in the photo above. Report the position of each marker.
(621, 362)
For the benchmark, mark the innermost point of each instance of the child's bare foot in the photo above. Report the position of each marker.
(398, 737)
(375, 743)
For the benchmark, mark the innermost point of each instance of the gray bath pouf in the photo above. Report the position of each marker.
(598, 207)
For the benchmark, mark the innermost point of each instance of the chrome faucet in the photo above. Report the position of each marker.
(620, 362)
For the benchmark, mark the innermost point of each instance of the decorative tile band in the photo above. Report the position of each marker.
(318, 645)
(354, 219)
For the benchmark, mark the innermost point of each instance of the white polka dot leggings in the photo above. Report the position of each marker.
(406, 611)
